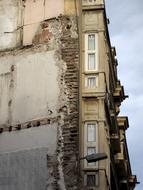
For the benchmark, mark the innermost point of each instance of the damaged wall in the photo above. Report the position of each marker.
(20, 19)
(10, 21)
(25, 92)
(39, 86)
(36, 12)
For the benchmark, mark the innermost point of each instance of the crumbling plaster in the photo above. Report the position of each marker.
(41, 87)
(20, 19)
(37, 11)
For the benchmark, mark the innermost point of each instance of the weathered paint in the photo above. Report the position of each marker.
(33, 11)
(28, 86)
(53, 8)
(29, 32)
(36, 12)
(10, 21)
(70, 7)
(43, 82)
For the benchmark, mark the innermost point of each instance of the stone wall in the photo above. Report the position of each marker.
(70, 55)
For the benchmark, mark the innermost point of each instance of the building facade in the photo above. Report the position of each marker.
(60, 97)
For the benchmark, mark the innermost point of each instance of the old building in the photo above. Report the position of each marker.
(60, 97)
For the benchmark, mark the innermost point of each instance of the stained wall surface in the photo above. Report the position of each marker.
(39, 87)
(19, 20)
(29, 86)
(23, 158)
(36, 12)
(10, 21)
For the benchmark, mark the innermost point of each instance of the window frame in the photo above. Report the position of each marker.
(87, 52)
(90, 144)
(89, 124)
(86, 81)
(96, 174)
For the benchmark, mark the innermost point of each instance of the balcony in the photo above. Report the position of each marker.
(114, 125)
(115, 143)
(122, 160)
(119, 94)
(129, 182)
(133, 181)
(123, 123)
(122, 166)
(120, 156)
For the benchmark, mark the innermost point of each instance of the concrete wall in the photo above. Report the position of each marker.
(25, 158)
(29, 86)
(10, 20)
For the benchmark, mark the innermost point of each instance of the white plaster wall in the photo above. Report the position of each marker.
(34, 89)
(10, 20)
(32, 138)
(4, 93)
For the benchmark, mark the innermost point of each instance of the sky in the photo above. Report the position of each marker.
(126, 34)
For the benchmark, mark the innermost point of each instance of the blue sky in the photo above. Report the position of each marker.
(126, 32)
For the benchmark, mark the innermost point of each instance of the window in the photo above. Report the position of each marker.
(91, 150)
(91, 42)
(91, 61)
(90, 52)
(91, 81)
(90, 141)
(91, 132)
(91, 180)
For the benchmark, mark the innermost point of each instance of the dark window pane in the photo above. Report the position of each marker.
(91, 180)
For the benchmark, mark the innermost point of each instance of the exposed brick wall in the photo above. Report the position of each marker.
(70, 55)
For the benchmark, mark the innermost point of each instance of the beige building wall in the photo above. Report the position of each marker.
(93, 108)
